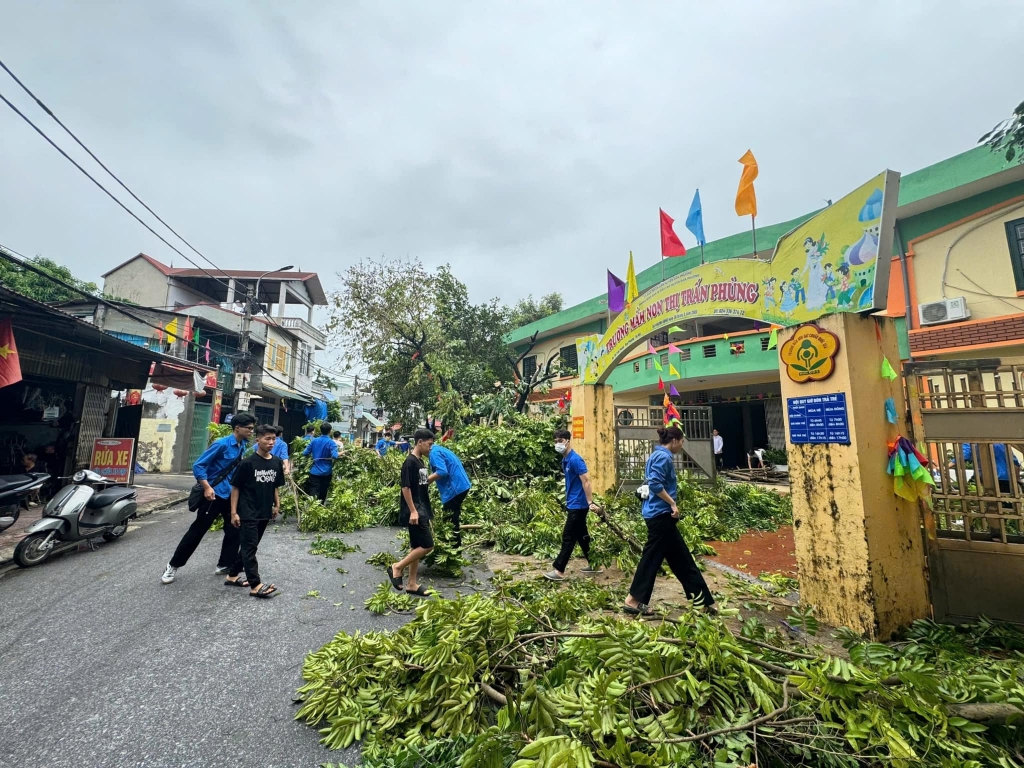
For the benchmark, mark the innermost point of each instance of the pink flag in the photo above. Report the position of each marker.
(674, 350)
(651, 349)
(207, 351)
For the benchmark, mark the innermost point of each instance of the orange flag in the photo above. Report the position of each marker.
(746, 200)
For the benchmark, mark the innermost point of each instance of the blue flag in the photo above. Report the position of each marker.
(695, 219)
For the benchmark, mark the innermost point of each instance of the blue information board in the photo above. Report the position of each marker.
(818, 419)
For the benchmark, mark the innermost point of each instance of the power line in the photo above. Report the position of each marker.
(109, 194)
(124, 186)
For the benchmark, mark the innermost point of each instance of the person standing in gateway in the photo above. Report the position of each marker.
(324, 451)
(719, 448)
(213, 472)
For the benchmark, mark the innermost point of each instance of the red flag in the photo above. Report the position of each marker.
(671, 245)
(661, 384)
(10, 366)
(188, 329)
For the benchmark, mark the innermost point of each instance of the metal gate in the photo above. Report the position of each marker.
(969, 414)
(636, 435)
(199, 439)
(96, 401)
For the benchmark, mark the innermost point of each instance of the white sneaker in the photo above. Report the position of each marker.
(221, 571)
(168, 576)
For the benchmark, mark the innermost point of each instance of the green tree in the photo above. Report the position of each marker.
(35, 286)
(528, 310)
(1008, 136)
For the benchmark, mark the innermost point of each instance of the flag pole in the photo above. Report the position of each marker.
(753, 234)
(663, 268)
(702, 254)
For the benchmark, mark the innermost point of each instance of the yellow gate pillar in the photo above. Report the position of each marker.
(593, 428)
(859, 547)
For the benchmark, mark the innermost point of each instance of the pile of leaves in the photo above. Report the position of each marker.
(534, 675)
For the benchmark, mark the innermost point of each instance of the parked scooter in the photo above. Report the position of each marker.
(77, 513)
(14, 490)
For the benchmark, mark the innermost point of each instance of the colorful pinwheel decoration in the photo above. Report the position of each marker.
(909, 469)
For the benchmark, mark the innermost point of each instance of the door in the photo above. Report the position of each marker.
(636, 435)
(199, 439)
(969, 417)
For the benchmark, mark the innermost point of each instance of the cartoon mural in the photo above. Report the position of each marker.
(826, 265)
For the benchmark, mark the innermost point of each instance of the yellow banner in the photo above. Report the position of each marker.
(826, 265)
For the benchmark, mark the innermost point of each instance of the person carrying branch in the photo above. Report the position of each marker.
(579, 500)
(415, 513)
(664, 542)
(452, 486)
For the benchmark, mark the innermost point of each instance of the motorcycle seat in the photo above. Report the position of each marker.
(10, 482)
(109, 496)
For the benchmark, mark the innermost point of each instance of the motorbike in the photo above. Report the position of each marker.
(14, 490)
(78, 512)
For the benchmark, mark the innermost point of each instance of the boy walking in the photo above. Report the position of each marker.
(213, 472)
(452, 485)
(416, 513)
(255, 501)
(324, 451)
(280, 449)
(579, 500)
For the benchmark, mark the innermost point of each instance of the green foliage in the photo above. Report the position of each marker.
(1008, 136)
(520, 447)
(386, 599)
(382, 559)
(331, 547)
(37, 287)
(528, 310)
(537, 675)
(216, 431)
(334, 411)
(776, 457)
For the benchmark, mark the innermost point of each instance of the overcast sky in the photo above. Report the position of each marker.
(529, 144)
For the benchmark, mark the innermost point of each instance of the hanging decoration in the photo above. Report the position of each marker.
(673, 391)
(672, 370)
(661, 385)
(181, 392)
(773, 338)
(671, 414)
(911, 479)
(888, 372)
(159, 387)
(890, 410)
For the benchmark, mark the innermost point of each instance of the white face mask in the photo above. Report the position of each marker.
(561, 447)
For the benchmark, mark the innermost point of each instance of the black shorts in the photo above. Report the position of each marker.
(421, 535)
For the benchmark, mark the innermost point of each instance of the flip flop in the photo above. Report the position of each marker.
(236, 583)
(266, 591)
(420, 591)
(396, 581)
(640, 610)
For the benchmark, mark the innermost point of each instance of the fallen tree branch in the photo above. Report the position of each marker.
(734, 728)
(493, 694)
(984, 713)
(630, 541)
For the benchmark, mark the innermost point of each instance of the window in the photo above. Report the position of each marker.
(648, 364)
(737, 347)
(636, 367)
(764, 344)
(529, 367)
(282, 359)
(271, 354)
(710, 350)
(660, 339)
(664, 359)
(684, 355)
(305, 359)
(1015, 236)
(567, 358)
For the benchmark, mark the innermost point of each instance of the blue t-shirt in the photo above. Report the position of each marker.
(280, 449)
(574, 466)
(215, 459)
(1002, 471)
(660, 475)
(384, 445)
(451, 475)
(322, 449)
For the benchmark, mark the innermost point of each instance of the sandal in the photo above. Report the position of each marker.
(640, 610)
(420, 591)
(265, 591)
(396, 581)
(236, 583)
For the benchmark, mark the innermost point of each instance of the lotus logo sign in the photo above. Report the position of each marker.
(810, 354)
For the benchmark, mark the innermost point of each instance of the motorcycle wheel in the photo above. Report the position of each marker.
(116, 532)
(29, 551)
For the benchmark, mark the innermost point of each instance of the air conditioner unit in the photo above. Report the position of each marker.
(944, 311)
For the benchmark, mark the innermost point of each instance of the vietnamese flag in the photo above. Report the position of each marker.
(671, 245)
(10, 366)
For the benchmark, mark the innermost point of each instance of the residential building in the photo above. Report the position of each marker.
(959, 292)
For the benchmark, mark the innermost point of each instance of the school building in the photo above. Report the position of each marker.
(956, 290)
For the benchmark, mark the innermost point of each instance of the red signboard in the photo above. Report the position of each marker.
(218, 398)
(112, 457)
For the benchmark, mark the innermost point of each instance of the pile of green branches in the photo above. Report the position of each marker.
(537, 676)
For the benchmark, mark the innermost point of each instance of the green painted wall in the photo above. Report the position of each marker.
(623, 379)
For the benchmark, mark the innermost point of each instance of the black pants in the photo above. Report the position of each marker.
(575, 532)
(208, 512)
(720, 460)
(320, 486)
(250, 535)
(453, 512)
(664, 542)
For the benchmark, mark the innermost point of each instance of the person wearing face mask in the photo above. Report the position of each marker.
(579, 500)
(664, 542)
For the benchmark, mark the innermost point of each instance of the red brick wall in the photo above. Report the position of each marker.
(968, 334)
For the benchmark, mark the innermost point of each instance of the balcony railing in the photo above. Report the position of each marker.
(302, 327)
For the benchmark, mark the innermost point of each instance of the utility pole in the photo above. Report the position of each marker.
(355, 400)
(242, 396)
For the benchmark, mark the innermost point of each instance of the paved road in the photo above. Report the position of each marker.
(102, 665)
(178, 482)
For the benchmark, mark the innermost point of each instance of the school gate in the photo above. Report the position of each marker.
(969, 414)
(636, 434)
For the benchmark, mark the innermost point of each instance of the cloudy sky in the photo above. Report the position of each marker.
(529, 144)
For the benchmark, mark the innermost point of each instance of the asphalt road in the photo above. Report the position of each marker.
(102, 665)
(177, 482)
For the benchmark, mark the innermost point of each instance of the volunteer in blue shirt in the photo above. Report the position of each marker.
(280, 450)
(324, 451)
(579, 500)
(385, 444)
(213, 471)
(452, 485)
(664, 542)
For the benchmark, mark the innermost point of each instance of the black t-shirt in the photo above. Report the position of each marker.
(414, 477)
(256, 478)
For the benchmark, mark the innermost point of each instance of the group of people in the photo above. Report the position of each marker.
(243, 490)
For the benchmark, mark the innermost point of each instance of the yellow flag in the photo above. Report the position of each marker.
(672, 370)
(172, 330)
(631, 290)
(746, 200)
